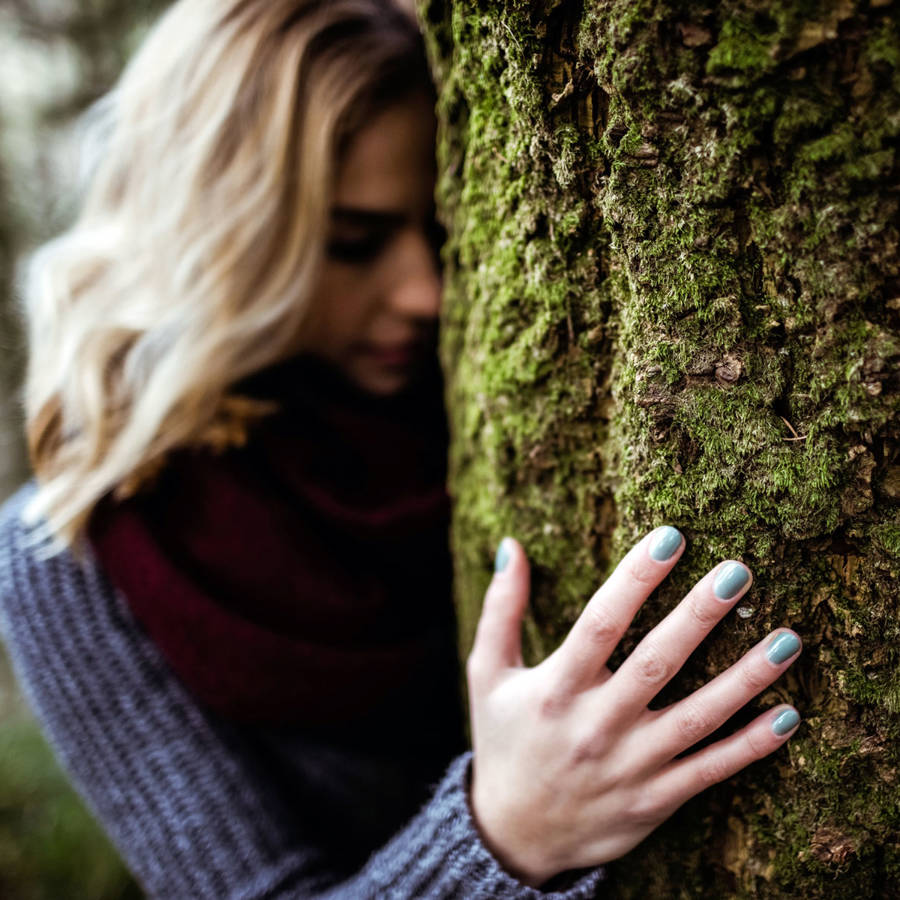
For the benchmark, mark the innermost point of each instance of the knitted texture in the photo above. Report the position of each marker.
(198, 806)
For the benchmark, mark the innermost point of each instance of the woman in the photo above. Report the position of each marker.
(227, 592)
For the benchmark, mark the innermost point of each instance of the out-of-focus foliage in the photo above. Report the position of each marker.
(56, 57)
(50, 847)
(11, 453)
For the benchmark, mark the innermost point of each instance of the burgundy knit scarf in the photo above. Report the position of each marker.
(305, 577)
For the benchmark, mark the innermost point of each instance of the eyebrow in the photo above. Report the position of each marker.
(366, 218)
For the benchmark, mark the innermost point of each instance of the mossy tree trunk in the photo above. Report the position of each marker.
(673, 293)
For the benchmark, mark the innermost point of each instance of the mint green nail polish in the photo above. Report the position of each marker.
(783, 646)
(786, 722)
(665, 543)
(731, 578)
(503, 556)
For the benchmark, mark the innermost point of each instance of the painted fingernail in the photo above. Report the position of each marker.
(787, 721)
(503, 555)
(783, 646)
(731, 578)
(665, 542)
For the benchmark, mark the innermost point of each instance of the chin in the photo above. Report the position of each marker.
(383, 383)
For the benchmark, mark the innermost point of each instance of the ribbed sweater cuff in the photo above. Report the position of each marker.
(451, 859)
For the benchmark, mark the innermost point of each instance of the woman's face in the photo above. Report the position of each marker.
(374, 312)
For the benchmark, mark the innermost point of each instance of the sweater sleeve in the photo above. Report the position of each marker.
(176, 790)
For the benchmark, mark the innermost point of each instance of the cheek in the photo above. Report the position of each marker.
(342, 306)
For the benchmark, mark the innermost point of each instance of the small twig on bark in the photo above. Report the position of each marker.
(796, 437)
(506, 26)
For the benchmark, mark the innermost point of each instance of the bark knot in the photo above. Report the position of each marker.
(828, 845)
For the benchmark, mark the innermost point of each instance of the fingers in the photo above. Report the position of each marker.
(498, 640)
(580, 659)
(683, 724)
(682, 779)
(664, 650)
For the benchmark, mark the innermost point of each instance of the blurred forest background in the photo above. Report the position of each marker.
(56, 57)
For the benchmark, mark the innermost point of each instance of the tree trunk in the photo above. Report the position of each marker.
(673, 294)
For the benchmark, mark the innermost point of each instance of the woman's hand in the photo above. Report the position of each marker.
(571, 769)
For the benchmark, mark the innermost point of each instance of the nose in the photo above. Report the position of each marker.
(414, 277)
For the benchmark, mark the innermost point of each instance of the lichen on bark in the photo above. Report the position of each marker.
(673, 295)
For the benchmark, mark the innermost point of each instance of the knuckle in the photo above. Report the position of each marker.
(756, 745)
(601, 626)
(587, 746)
(637, 571)
(584, 750)
(693, 723)
(647, 809)
(551, 704)
(703, 614)
(650, 665)
(713, 769)
(752, 678)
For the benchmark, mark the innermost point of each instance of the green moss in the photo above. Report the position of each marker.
(673, 312)
(881, 690)
(887, 536)
(741, 48)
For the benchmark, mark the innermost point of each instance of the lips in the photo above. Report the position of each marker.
(393, 354)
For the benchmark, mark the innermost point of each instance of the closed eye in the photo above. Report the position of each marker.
(367, 232)
(356, 251)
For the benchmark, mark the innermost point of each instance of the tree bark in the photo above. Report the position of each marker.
(673, 296)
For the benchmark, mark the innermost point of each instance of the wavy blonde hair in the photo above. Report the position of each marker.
(200, 236)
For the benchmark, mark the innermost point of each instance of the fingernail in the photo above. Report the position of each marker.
(783, 646)
(787, 721)
(503, 556)
(665, 542)
(731, 578)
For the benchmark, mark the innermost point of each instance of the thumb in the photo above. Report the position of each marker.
(498, 639)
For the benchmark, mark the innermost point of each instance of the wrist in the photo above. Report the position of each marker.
(524, 862)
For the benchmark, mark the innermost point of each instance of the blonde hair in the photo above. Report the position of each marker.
(200, 236)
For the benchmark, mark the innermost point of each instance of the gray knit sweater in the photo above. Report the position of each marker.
(201, 807)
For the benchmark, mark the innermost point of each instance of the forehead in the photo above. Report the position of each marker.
(390, 163)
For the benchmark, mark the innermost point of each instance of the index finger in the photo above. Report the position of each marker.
(580, 659)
